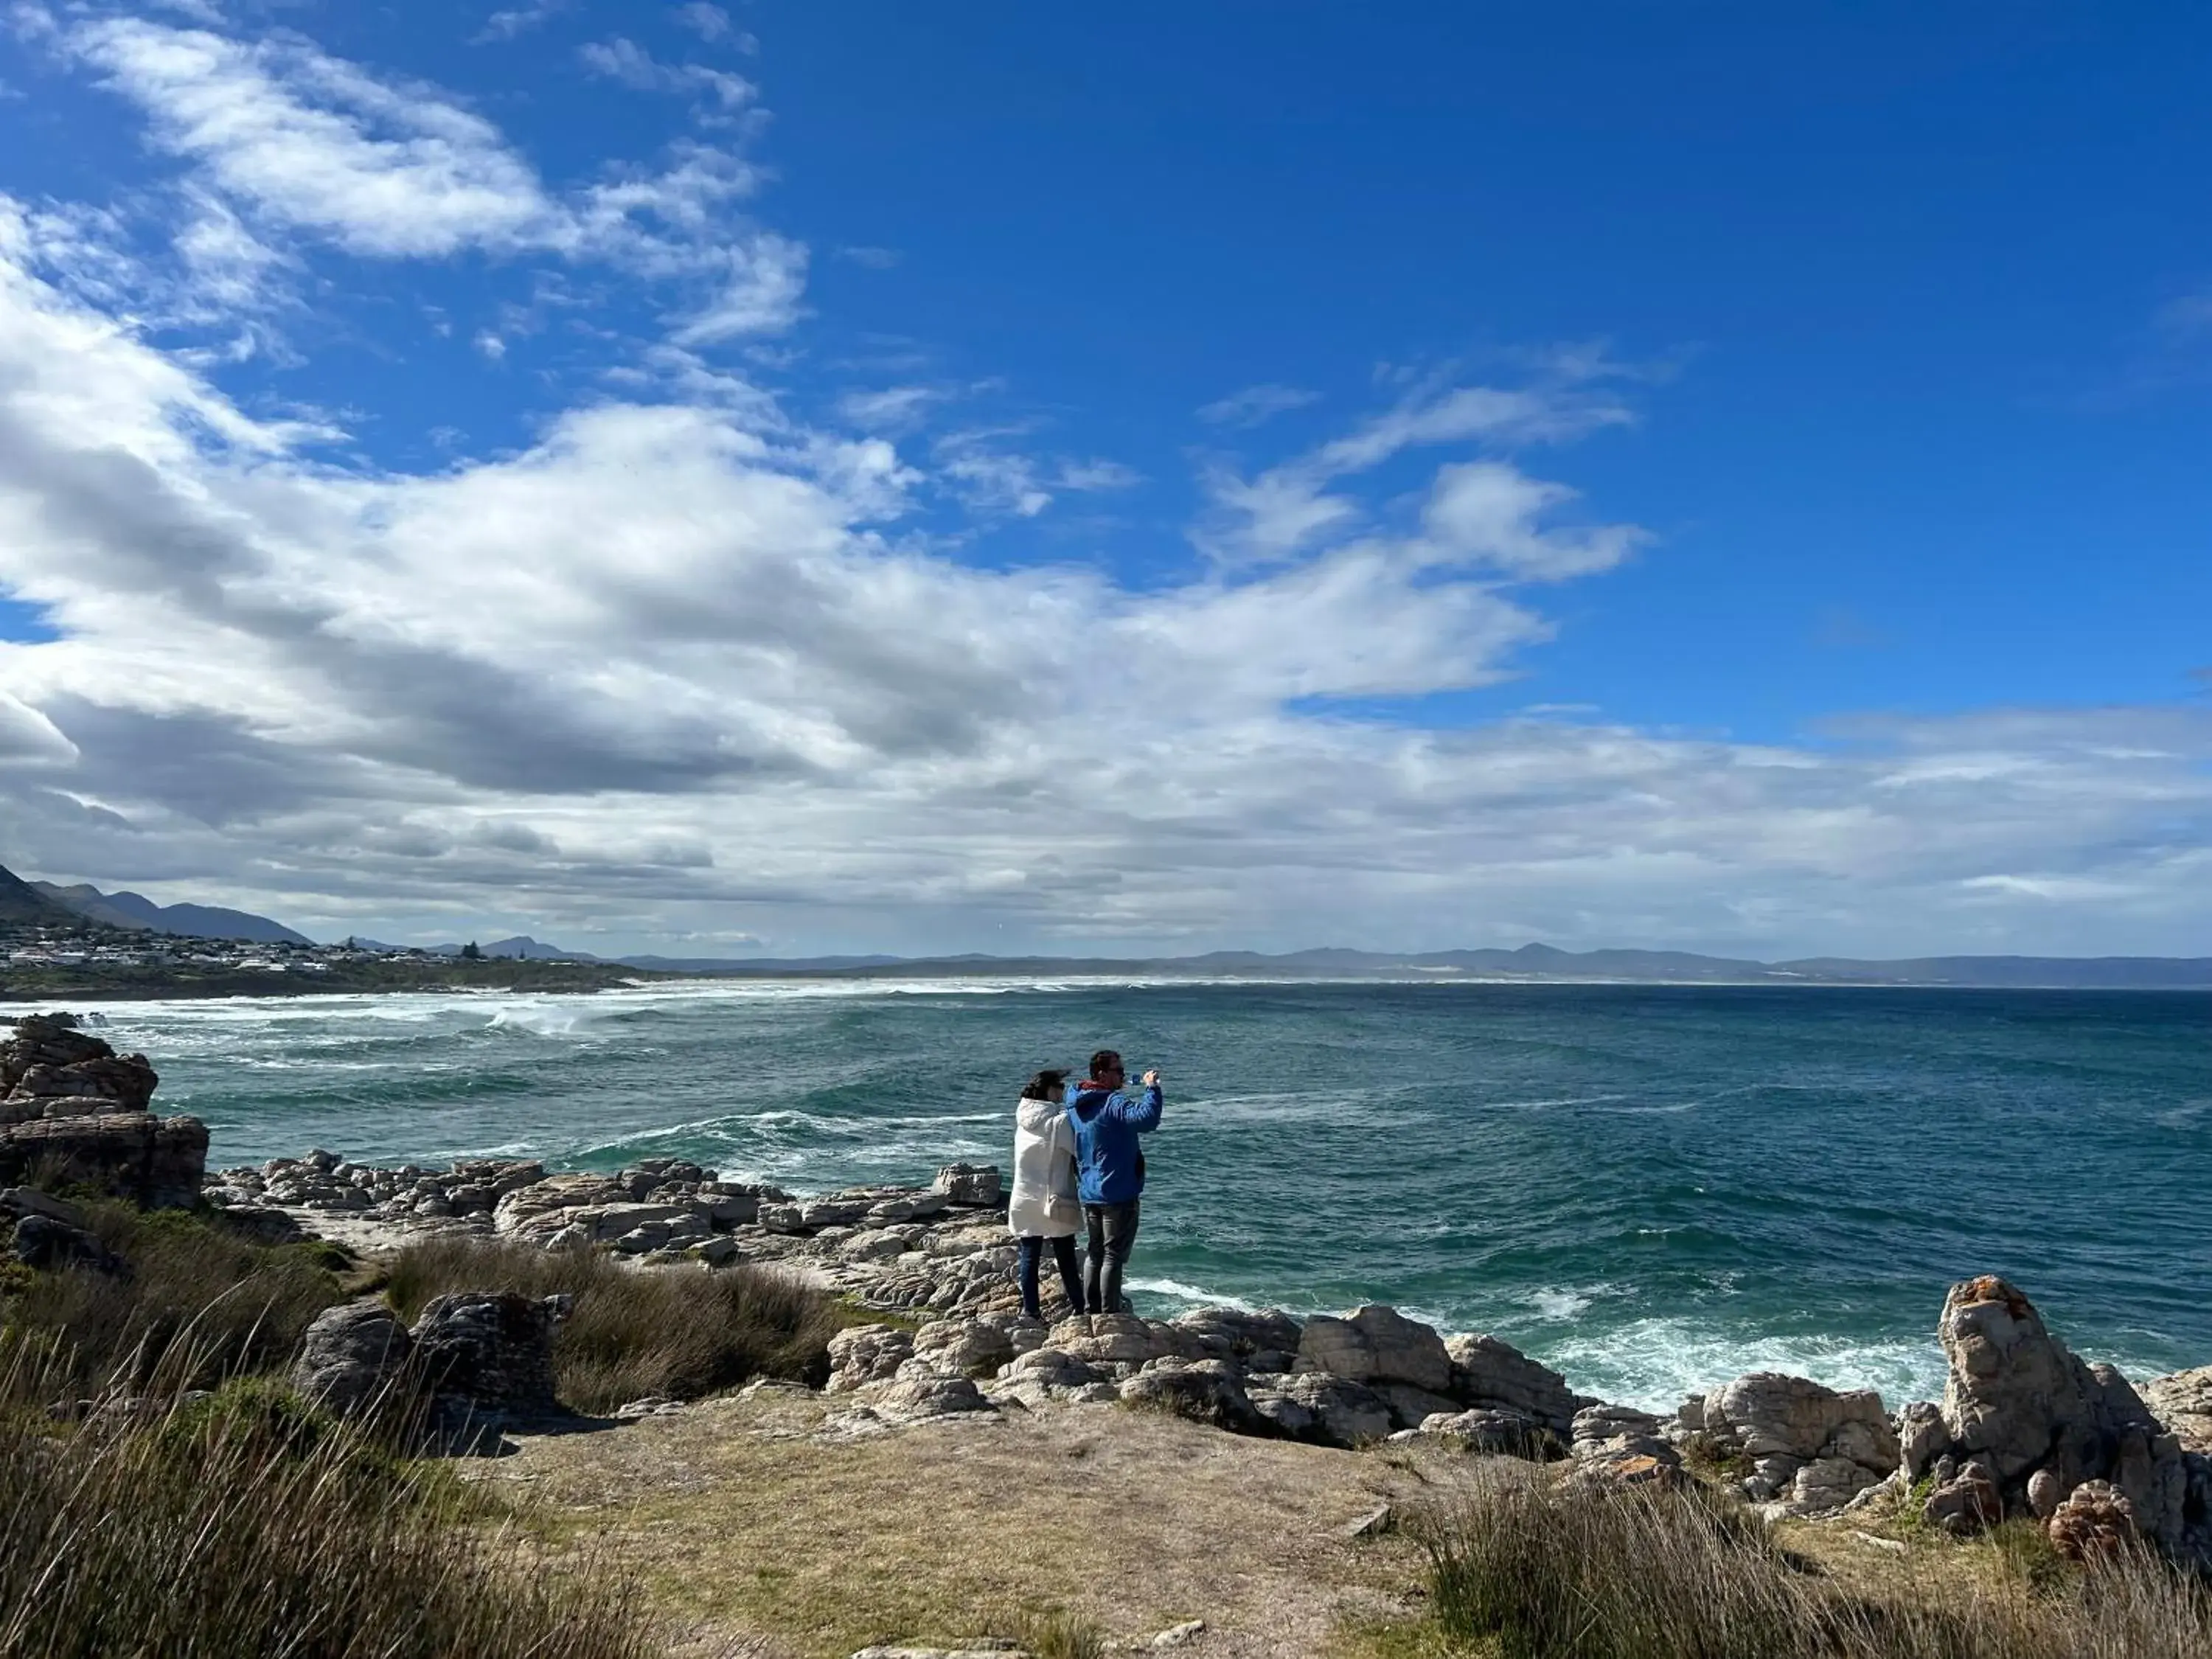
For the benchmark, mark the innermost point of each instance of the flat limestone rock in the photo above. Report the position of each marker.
(2183, 1401)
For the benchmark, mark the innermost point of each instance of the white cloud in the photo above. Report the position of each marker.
(662, 660)
(691, 664)
(490, 344)
(282, 137)
(510, 22)
(313, 142)
(709, 23)
(761, 293)
(890, 409)
(1256, 404)
(625, 62)
(1096, 474)
(1287, 510)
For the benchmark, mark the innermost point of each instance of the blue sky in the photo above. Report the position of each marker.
(1722, 476)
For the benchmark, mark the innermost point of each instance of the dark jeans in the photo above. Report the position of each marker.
(1113, 1235)
(1063, 1255)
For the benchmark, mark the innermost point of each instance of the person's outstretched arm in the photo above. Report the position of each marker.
(1142, 1112)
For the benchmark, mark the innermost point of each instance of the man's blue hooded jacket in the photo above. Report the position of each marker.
(1107, 1122)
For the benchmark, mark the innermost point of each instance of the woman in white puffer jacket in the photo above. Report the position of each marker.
(1044, 1209)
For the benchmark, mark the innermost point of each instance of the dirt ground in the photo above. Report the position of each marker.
(752, 1535)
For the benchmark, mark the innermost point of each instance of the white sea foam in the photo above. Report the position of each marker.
(1654, 1362)
(1197, 1294)
(1561, 1304)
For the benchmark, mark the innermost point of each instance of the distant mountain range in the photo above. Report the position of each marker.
(23, 904)
(141, 915)
(41, 901)
(1531, 963)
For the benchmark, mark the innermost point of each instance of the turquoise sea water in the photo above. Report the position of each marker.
(1653, 1188)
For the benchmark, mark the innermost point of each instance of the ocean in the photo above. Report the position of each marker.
(1652, 1188)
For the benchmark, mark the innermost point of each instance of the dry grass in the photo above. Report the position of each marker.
(1111, 1524)
(669, 1333)
(200, 1303)
(248, 1525)
(1539, 1571)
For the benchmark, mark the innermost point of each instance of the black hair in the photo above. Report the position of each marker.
(1045, 1085)
(1103, 1061)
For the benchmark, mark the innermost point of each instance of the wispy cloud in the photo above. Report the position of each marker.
(1282, 511)
(1256, 404)
(712, 24)
(281, 136)
(875, 259)
(624, 61)
(510, 22)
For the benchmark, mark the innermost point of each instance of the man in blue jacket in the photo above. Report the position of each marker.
(1110, 1170)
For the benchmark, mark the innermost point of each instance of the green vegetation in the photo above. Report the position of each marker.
(636, 1335)
(1530, 1569)
(197, 1505)
(245, 1525)
(199, 1304)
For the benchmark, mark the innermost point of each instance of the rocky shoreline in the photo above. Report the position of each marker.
(2026, 1429)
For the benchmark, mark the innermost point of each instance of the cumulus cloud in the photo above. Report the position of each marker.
(687, 662)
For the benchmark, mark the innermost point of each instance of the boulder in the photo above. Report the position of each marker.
(43, 1243)
(493, 1349)
(1116, 1342)
(2094, 1524)
(919, 1392)
(1618, 1445)
(1921, 1437)
(1320, 1407)
(862, 1354)
(49, 1063)
(155, 1163)
(1812, 1448)
(970, 1185)
(1492, 1433)
(969, 1346)
(2183, 1402)
(29, 1200)
(1491, 1375)
(354, 1357)
(1377, 1345)
(1204, 1390)
(1411, 1407)
(1255, 1341)
(1966, 1499)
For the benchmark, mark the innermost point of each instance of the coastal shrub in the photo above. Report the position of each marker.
(1540, 1570)
(1060, 1635)
(638, 1333)
(198, 1303)
(246, 1524)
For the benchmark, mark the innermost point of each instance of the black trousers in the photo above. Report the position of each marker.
(1063, 1255)
(1113, 1229)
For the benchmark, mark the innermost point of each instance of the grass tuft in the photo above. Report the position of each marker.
(637, 1334)
(245, 1523)
(199, 1304)
(1542, 1570)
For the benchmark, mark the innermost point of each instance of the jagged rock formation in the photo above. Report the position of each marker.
(72, 1109)
(49, 1068)
(2025, 1424)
